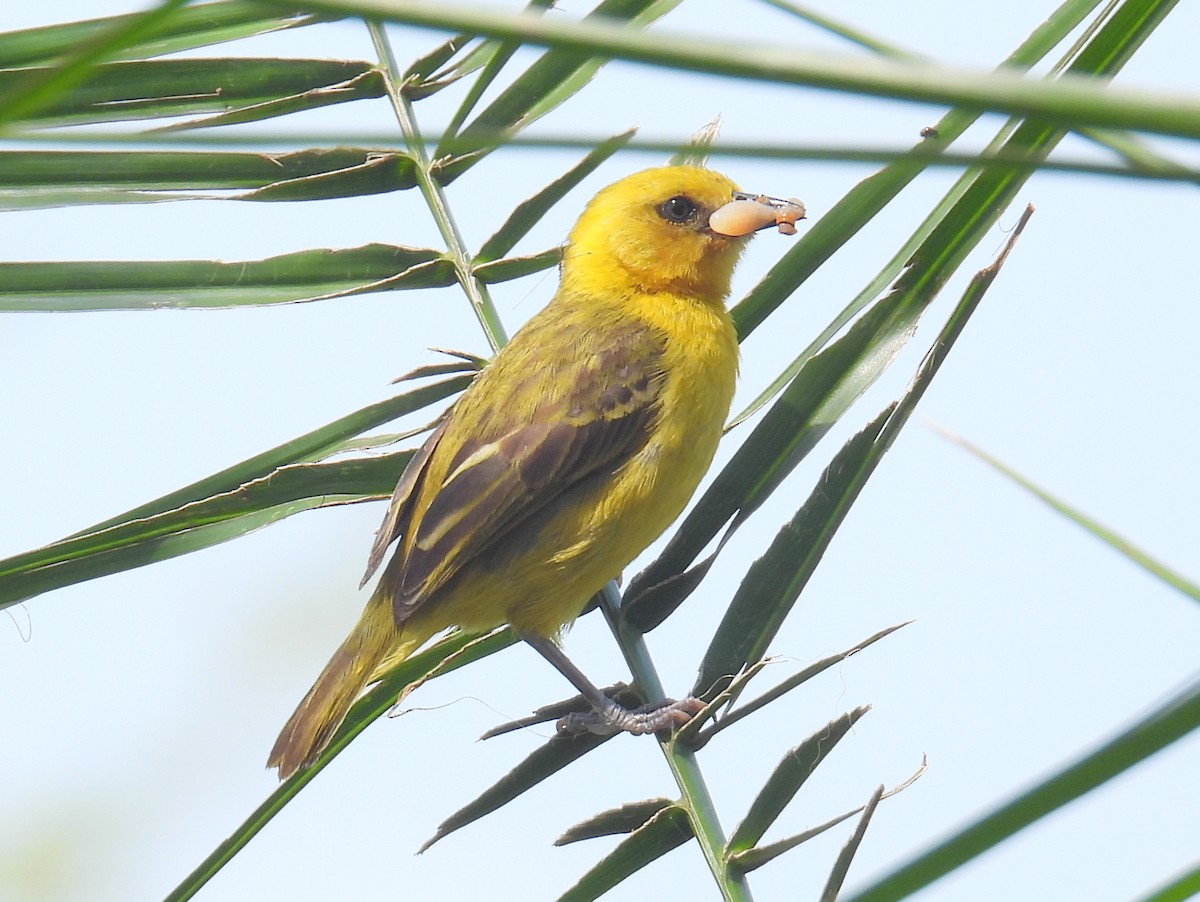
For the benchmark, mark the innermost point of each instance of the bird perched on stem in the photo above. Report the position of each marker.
(570, 453)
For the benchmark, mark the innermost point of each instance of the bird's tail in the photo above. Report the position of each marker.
(373, 640)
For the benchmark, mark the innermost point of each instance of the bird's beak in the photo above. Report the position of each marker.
(748, 213)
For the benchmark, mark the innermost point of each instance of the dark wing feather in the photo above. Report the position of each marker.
(398, 507)
(503, 490)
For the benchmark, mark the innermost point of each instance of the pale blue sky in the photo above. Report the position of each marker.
(142, 706)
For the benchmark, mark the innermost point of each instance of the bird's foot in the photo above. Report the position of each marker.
(653, 718)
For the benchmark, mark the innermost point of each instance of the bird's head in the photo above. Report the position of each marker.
(676, 229)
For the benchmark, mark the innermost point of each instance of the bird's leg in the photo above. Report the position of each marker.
(606, 716)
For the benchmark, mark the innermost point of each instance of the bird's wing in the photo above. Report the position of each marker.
(498, 491)
(398, 507)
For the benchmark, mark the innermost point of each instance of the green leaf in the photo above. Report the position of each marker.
(797, 765)
(1122, 546)
(816, 398)
(845, 32)
(547, 83)
(464, 363)
(236, 89)
(154, 285)
(755, 858)
(491, 57)
(530, 212)
(841, 867)
(377, 172)
(824, 385)
(244, 497)
(543, 762)
(424, 66)
(40, 88)
(454, 651)
(557, 753)
(773, 583)
(1174, 719)
(315, 445)
(517, 267)
(201, 524)
(771, 587)
(365, 86)
(197, 25)
(39, 179)
(860, 205)
(626, 819)
(745, 710)
(318, 184)
(762, 854)
(1069, 103)
(1103, 55)
(667, 830)
(1182, 887)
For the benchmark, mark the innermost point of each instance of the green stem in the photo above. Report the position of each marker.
(706, 825)
(476, 291)
(702, 811)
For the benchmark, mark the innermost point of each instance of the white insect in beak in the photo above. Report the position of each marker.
(748, 213)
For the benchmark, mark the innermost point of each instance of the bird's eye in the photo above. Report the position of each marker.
(678, 209)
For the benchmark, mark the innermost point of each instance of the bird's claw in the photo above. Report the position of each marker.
(668, 714)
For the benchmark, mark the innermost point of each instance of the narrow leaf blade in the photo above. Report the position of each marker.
(797, 765)
(150, 89)
(543, 762)
(841, 867)
(199, 25)
(626, 819)
(667, 830)
(529, 212)
(208, 284)
(32, 179)
(1177, 717)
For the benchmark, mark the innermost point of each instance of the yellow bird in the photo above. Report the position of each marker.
(570, 453)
